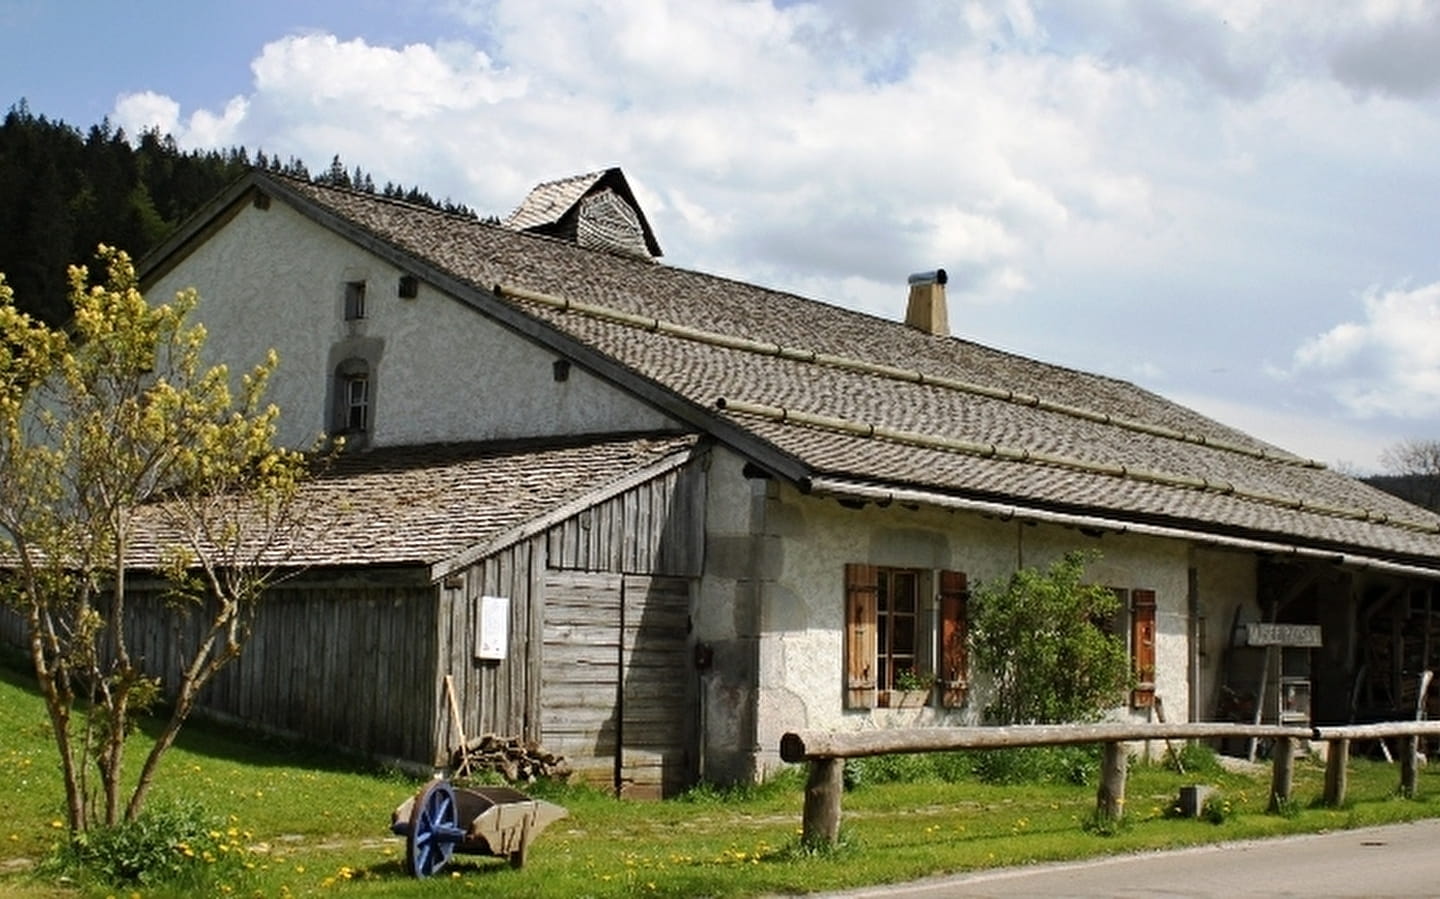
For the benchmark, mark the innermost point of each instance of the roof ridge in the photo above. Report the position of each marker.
(830, 360)
(996, 451)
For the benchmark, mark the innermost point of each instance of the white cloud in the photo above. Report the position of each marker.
(1387, 364)
(1107, 183)
(137, 113)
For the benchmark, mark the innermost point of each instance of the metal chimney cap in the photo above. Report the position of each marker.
(936, 277)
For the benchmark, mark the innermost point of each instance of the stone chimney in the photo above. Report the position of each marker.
(926, 310)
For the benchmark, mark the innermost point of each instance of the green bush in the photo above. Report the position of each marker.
(178, 846)
(1040, 637)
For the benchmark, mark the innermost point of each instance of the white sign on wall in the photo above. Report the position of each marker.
(493, 623)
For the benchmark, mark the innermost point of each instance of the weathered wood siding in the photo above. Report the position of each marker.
(650, 532)
(497, 696)
(12, 628)
(618, 690)
(656, 528)
(348, 666)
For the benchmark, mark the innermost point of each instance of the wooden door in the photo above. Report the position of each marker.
(618, 687)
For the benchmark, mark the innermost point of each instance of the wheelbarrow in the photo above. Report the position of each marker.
(442, 819)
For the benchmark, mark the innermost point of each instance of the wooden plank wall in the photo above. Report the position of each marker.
(347, 666)
(494, 695)
(12, 628)
(656, 528)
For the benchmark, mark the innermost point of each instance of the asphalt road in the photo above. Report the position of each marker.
(1395, 860)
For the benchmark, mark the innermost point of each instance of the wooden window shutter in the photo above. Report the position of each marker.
(1142, 647)
(862, 589)
(954, 668)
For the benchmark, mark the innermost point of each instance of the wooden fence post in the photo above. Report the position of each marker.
(821, 825)
(1282, 778)
(1409, 755)
(1337, 772)
(1110, 798)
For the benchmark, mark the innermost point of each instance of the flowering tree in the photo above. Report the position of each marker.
(114, 436)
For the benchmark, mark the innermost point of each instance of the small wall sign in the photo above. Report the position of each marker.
(493, 625)
(1271, 634)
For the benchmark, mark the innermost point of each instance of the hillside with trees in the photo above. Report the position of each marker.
(64, 191)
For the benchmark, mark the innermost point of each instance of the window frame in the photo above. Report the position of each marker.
(350, 374)
(936, 614)
(351, 407)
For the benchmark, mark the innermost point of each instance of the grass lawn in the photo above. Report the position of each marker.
(317, 824)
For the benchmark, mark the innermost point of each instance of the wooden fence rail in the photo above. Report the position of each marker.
(826, 752)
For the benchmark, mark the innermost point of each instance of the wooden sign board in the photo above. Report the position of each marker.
(1270, 634)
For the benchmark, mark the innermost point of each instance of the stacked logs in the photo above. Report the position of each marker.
(516, 760)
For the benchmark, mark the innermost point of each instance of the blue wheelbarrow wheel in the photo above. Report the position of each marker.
(434, 831)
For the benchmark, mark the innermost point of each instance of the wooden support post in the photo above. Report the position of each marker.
(1282, 778)
(821, 826)
(1409, 756)
(1337, 772)
(1110, 797)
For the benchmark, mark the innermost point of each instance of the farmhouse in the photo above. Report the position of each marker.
(654, 518)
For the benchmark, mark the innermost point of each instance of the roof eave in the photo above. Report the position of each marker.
(1111, 522)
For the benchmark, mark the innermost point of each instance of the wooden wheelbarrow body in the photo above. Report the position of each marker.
(443, 819)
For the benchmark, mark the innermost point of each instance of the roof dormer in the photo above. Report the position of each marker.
(595, 210)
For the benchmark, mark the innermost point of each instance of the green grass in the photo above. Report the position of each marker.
(317, 823)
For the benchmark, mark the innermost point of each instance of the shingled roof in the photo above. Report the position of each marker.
(428, 505)
(849, 404)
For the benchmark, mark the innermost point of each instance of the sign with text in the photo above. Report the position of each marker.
(1271, 634)
(493, 639)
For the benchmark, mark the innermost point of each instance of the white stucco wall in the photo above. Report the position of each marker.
(272, 278)
(781, 555)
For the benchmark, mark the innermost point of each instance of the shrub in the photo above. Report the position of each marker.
(1039, 635)
(177, 845)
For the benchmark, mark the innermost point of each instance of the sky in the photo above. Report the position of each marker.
(1233, 203)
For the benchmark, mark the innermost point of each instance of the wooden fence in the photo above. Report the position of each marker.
(826, 752)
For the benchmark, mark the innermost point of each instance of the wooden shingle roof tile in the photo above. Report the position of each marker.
(419, 505)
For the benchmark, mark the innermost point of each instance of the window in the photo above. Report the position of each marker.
(900, 632)
(353, 398)
(1134, 622)
(357, 403)
(1142, 647)
(354, 300)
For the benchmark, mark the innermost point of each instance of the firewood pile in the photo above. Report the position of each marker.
(516, 760)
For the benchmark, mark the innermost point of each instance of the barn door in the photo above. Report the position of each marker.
(618, 688)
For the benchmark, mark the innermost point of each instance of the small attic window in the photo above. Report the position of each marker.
(354, 300)
(409, 287)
